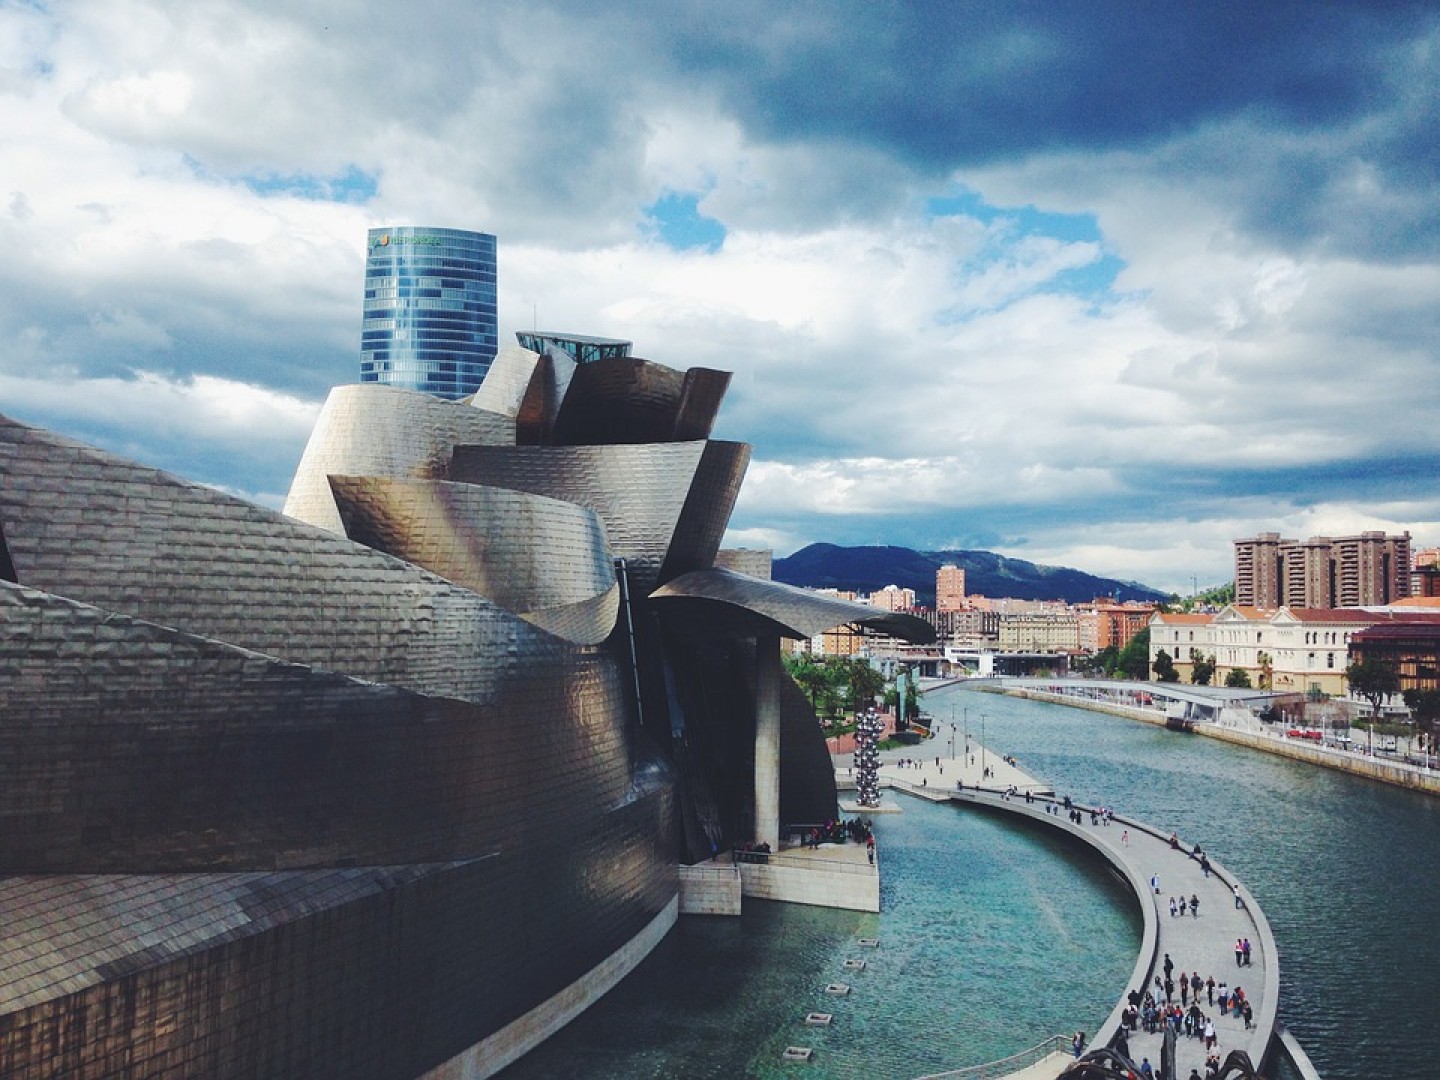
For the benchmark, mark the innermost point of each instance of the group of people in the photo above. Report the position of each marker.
(1150, 1014)
(1242, 952)
(1152, 1008)
(836, 832)
(1181, 906)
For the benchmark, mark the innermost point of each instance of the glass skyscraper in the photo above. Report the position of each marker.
(430, 316)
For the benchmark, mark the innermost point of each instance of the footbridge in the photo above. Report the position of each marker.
(1208, 704)
(1140, 852)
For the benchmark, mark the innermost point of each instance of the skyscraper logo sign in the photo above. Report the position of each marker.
(385, 240)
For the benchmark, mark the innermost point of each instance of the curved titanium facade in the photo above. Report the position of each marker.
(430, 314)
(383, 793)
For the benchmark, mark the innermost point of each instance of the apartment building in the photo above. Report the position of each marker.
(1370, 568)
(950, 588)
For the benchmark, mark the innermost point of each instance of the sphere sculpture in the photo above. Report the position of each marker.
(867, 758)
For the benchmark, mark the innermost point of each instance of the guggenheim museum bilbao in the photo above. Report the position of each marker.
(396, 782)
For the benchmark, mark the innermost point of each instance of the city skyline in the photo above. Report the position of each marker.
(1102, 288)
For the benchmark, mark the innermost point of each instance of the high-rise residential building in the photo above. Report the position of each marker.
(1257, 570)
(430, 314)
(950, 588)
(1322, 572)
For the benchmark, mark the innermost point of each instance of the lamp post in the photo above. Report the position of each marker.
(952, 732)
(966, 713)
(983, 759)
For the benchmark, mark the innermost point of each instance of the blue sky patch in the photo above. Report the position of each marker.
(353, 186)
(675, 220)
(1023, 220)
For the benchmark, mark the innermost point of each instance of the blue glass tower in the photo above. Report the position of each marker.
(430, 315)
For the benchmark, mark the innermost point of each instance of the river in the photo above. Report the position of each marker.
(1346, 869)
(994, 936)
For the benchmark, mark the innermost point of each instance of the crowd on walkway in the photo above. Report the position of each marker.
(1176, 1002)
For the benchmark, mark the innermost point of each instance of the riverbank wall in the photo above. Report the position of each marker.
(1386, 772)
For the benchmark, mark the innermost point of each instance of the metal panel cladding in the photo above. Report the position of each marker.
(430, 313)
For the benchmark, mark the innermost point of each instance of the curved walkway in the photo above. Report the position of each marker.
(1203, 943)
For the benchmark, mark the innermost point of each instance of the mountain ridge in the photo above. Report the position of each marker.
(866, 569)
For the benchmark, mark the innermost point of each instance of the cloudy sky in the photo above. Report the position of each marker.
(1093, 284)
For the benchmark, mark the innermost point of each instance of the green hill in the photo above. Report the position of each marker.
(866, 569)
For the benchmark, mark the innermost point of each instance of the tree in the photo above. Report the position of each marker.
(1424, 708)
(1165, 667)
(1202, 669)
(912, 696)
(815, 679)
(1133, 661)
(1238, 679)
(866, 682)
(1373, 680)
(1267, 670)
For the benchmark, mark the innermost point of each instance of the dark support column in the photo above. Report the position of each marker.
(768, 673)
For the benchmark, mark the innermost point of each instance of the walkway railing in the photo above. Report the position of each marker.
(1007, 1065)
(787, 859)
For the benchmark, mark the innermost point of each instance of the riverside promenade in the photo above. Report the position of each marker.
(1203, 943)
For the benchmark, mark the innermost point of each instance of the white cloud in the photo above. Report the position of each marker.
(889, 366)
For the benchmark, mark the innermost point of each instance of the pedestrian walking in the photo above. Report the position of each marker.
(1210, 990)
(1245, 948)
(1239, 952)
(1125, 838)
(1194, 906)
(1238, 902)
(1155, 884)
(1172, 915)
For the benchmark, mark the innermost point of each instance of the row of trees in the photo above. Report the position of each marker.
(837, 685)
(1202, 671)
(1131, 662)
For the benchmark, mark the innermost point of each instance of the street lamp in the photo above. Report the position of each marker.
(982, 745)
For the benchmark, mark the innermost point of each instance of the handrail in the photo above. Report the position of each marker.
(1007, 1065)
(789, 859)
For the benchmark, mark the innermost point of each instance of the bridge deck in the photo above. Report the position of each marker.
(1203, 942)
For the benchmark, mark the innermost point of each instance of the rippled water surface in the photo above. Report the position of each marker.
(985, 930)
(1346, 870)
(994, 936)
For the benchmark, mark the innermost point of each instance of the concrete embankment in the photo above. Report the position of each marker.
(1387, 772)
